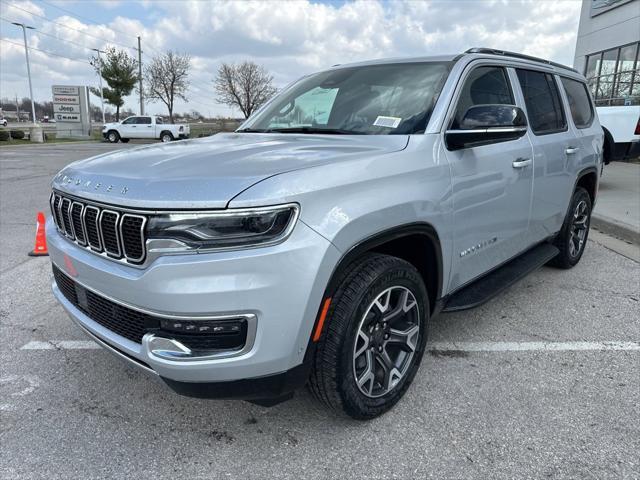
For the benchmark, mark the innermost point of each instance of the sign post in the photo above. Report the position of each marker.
(71, 111)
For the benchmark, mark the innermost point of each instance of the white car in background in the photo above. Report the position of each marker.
(621, 127)
(3, 122)
(144, 127)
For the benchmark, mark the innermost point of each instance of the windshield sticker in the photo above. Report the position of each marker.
(389, 122)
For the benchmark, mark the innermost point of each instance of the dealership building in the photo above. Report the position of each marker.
(608, 49)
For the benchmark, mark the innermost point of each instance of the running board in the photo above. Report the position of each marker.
(493, 283)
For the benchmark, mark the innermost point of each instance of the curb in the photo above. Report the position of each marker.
(617, 229)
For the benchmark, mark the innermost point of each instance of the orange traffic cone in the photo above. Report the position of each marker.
(41, 238)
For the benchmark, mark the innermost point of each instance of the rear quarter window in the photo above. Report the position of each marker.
(579, 102)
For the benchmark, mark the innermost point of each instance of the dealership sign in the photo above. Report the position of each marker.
(71, 110)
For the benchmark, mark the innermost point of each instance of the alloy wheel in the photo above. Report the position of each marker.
(579, 228)
(386, 341)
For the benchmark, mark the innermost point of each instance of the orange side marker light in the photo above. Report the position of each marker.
(323, 316)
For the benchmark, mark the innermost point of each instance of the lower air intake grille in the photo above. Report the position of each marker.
(133, 324)
(123, 321)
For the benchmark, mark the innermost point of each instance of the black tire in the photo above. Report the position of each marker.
(166, 137)
(125, 140)
(570, 243)
(333, 376)
(113, 136)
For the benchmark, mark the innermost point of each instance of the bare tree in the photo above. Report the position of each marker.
(166, 79)
(245, 86)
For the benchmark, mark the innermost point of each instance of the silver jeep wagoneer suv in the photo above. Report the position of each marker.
(314, 244)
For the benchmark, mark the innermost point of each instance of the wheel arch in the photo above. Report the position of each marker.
(608, 146)
(418, 243)
(588, 179)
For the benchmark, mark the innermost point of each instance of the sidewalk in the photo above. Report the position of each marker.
(617, 209)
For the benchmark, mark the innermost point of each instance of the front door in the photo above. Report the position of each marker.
(491, 185)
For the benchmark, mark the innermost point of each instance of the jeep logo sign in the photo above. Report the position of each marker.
(58, 108)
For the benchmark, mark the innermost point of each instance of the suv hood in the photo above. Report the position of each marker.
(209, 172)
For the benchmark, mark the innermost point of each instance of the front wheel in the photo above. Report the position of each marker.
(572, 238)
(113, 136)
(373, 338)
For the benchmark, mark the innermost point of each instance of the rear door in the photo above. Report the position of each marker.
(491, 184)
(556, 150)
(583, 119)
(145, 127)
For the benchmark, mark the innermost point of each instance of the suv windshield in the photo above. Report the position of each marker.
(376, 99)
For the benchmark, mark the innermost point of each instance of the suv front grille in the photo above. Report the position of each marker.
(133, 324)
(119, 234)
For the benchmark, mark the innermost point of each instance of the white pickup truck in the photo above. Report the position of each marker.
(621, 127)
(144, 127)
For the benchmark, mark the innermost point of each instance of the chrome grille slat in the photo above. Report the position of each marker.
(117, 234)
(92, 228)
(65, 214)
(109, 233)
(77, 209)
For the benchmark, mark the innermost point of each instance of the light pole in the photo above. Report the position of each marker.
(26, 52)
(100, 78)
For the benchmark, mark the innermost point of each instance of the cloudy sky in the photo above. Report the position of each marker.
(290, 38)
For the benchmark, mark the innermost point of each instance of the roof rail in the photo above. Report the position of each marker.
(504, 53)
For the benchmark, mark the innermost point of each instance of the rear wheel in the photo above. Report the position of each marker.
(572, 238)
(166, 137)
(113, 136)
(373, 338)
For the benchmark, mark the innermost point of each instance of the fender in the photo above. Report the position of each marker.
(369, 244)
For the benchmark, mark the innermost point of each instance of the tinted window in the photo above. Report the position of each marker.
(579, 102)
(542, 99)
(144, 120)
(483, 86)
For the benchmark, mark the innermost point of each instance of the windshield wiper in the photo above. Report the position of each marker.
(329, 131)
(252, 130)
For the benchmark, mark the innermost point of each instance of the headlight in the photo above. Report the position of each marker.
(235, 228)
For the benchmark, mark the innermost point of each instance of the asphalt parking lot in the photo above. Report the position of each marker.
(541, 382)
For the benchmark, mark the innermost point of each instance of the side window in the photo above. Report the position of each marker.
(159, 121)
(144, 120)
(542, 99)
(130, 121)
(483, 86)
(579, 102)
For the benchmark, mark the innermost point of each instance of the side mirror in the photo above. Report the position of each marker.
(486, 124)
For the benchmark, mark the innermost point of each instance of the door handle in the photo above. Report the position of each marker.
(521, 162)
(571, 150)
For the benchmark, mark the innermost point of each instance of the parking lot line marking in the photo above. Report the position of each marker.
(62, 345)
(532, 346)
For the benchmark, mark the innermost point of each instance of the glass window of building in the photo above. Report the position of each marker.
(614, 76)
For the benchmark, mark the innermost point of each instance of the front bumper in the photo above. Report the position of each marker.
(280, 286)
